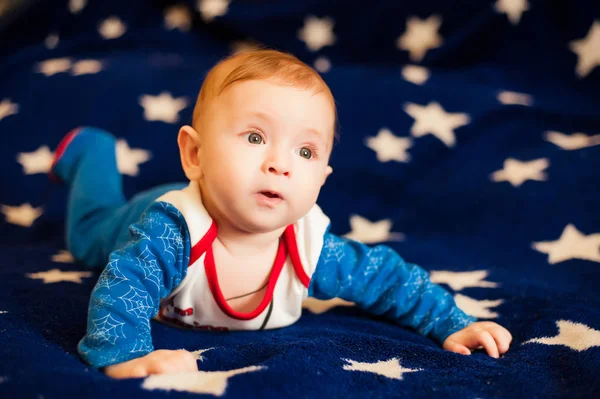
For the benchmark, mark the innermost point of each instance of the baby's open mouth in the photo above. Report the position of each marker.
(270, 194)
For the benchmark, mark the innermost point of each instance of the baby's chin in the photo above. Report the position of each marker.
(266, 224)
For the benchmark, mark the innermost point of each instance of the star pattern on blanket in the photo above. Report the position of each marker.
(86, 67)
(421, 35)
(7, 108)
(318, 306)
(513, 9)
(433, 119)
(75, 6)
(576, 336)
(461, 280)
(210, 9)
(416, 74)
(203, 382)
(514, 98)
(477, 308)
(53, 66)
(575, 141)
(518, 172)
(163, 107)
(368, 232)
(179, 17)
(389, 147)
(63, 256)
(389, 368)
(317, 32)
(587, 50)
(572, 244)
(129, 159)
(38, 161)
(112, 28)
(23, 215)
(322, 64)
(51, 41)
(58, 276)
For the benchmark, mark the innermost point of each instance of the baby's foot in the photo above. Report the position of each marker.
(72, 148)
(60, 150)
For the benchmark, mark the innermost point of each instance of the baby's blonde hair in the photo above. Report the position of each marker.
(256, 65)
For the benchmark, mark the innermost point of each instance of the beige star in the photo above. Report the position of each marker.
(22, 215)
(421, 35)
(86, 67)
(57, 276)
(129, 159)
(477, 308)
(63, 257)
(75, 6)
(460, 280)
(576, 336)
(433, 119)
(368, 232)
(415, 74)
(8, 108)
(209, 9)
(517, 172)
(572, 244)
(54, 66)
(112, 28)
(574, 141)
(163, 107)
(322, 64)
(51, 41)
(204, 382)
(318, 306)
(38, 161)
(389, 147)
(178, 17)
(317, 32)
(514, 98)
(587, 50)
(390, 368)
(514, 9)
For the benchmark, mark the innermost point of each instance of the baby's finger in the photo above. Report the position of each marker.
(454, 346)
(502, 338)
(487, 341)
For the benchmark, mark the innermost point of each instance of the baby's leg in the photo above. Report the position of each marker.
(98, 215)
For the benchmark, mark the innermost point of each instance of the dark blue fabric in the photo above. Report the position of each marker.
(453, 215)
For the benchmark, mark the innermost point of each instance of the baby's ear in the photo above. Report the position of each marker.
(328, 171)
(189, 152)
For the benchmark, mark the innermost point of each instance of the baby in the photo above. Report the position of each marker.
(243, 243)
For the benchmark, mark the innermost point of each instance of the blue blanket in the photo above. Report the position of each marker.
(469, 142)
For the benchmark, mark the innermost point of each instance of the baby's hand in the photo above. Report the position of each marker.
(157, 362)
(487, 334)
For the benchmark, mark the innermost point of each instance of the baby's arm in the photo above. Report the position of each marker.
(378, 280)
(128, 293)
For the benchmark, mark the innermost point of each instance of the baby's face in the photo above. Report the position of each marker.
(264, 153)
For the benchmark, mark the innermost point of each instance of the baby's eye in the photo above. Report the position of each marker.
(306, 153)
(255, 138)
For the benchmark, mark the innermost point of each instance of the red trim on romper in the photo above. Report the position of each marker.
(60, 150)
(290, 235)
(202, 245)
(286, 245)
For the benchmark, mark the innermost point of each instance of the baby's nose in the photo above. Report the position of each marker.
(279, 170)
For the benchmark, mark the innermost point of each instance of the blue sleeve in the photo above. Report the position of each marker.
(128, 292)
(378, 280)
